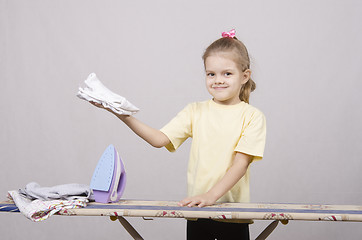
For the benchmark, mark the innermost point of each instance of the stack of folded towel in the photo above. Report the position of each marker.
(95, 91)
(39, 203)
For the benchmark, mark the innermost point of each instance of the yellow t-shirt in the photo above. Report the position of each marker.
(217, 132)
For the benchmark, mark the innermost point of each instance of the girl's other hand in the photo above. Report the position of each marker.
(202, 200)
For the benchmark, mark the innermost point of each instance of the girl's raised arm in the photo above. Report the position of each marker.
(153, 136)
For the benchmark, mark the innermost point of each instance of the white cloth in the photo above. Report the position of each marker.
(95, 91)
(39, 210)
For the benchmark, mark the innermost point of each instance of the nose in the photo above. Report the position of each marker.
(219, 80)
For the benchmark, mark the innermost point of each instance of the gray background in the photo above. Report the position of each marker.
(306, 61)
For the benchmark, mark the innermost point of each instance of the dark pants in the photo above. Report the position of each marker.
(207, 229)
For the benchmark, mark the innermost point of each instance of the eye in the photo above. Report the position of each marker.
(210, 74)
(228, 74)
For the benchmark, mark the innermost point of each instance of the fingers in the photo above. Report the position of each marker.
(194, 202)
(96, 104)
(202, 204)
(184, 202)
(99, 105)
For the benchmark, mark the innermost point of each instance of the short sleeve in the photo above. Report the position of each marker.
(179, 128)
(252, 140)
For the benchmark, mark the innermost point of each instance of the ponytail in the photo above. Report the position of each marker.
(246, 89)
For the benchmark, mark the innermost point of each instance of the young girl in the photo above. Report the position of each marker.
(227, 135)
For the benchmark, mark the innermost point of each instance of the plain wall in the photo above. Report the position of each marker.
(306, 61)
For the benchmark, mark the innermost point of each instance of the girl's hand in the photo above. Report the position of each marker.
(202, 200)
(98, 105)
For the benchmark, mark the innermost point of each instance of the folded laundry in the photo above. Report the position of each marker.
(95, 91)
(72, 191)
(38, 210)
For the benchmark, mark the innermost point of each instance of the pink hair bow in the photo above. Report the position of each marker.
(229, 34)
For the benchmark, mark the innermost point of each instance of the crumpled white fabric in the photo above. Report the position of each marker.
(95, 91)
(39, 210)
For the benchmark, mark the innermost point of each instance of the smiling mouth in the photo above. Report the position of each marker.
(219, 87)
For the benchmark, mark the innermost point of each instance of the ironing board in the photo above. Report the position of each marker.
(255, 211)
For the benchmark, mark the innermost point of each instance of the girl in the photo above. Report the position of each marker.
(227, 135)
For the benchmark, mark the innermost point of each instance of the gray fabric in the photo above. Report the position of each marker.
(66, 191)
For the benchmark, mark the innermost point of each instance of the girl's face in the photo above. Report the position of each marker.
(224, 79)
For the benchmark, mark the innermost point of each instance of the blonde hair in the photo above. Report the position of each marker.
(242, 60)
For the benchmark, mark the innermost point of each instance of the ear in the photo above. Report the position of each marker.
(246, 76)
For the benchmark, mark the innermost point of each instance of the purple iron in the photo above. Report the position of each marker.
(109, 177)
